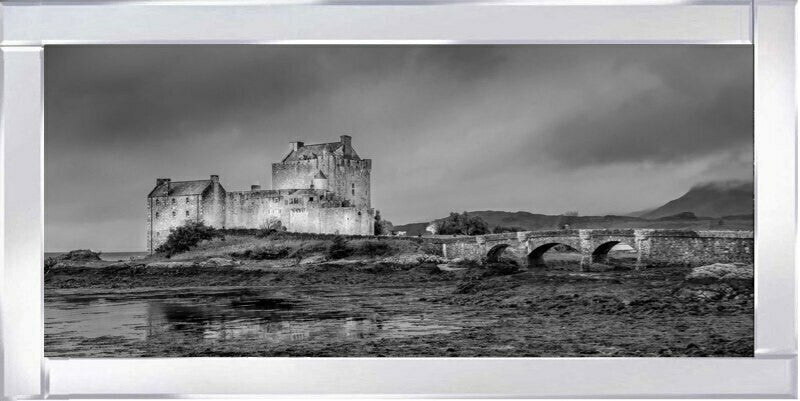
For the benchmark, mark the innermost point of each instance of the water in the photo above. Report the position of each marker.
(81, 324)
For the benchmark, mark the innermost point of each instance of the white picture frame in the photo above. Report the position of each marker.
(28, 26)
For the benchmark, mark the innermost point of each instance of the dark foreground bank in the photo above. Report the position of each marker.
(373, 308)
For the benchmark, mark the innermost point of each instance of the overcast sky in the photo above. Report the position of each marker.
(547, 128)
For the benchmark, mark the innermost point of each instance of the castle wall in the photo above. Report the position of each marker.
(348, 178)
(312, 211)
(164, 213)
(334, 220)
(252, 209)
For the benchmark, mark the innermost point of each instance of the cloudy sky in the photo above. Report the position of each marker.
(547, 128)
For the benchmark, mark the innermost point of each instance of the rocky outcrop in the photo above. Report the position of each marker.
(718, 281)
(211, 262)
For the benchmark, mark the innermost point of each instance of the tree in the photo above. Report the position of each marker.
(567, 219)
(186, 237)
(505, 229)
(463, 224)
(382, 227)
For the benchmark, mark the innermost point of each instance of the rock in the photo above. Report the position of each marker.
(168, 265)
(219, 262)
(450, 267)
(599, 267)
(312, 260)
(79, 255)
(414, 259)
(732, 273)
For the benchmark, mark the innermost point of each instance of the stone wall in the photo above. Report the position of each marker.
(696, 247)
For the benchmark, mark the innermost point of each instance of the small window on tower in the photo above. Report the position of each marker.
(173, 201)
(156, 214)
(353, 188)
(173, 213)
(187, 213)
(187, 199)
(158, 202)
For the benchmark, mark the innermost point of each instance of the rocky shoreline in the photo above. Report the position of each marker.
(668, 311)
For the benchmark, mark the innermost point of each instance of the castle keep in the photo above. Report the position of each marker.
(321, 188)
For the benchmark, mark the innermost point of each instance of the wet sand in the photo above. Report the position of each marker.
(373, 309)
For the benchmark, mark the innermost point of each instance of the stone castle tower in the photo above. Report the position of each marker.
(319, 188)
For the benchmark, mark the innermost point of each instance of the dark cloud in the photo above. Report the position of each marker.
(700, 107)
(543, 128)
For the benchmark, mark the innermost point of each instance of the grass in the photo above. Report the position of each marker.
(250, 245)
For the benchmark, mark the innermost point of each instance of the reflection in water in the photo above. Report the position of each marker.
(272, 323)
(114, 324)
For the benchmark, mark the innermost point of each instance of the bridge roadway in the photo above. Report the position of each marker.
(653, 247)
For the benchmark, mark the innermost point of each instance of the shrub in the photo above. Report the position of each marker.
(186, 237)
(373, 248)
(263, 253)
(463, 224)
(338, 248)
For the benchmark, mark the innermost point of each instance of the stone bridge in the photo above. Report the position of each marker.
(652, 247)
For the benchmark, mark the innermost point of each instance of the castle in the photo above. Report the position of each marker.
(321, 188)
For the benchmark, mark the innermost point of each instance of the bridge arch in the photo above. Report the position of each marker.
(536, 256)
(494, 253)
(600, 253)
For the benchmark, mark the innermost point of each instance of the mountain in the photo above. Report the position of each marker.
(721, 205)
(712, 199)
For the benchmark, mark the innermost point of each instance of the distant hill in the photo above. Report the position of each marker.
(533, 222)
(713, 199)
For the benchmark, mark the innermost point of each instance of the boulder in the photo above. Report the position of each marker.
(718, 281)
(730, 273)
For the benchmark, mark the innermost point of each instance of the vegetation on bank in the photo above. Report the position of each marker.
(197, 241)
(186, 237)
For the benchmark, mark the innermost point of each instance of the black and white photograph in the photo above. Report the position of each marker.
(526, 200)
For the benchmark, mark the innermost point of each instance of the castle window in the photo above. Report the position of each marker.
(187, 199)
(187, 213)
(311, 199)
(158, 202)
(156, 214)
(173, 201)
(173, 213)
(353, 188)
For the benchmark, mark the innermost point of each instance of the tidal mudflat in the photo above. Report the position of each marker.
(361, 308)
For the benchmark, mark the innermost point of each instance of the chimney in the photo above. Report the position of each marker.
(255, 187)
(215, 178)
(160, 181)
(345, 139)
(296, 145)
